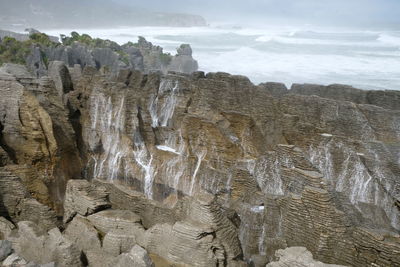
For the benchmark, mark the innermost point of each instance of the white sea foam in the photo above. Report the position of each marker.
(365, 59)
(389, 39)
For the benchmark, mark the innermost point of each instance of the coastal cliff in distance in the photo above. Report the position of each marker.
(48, 14)
(163, 168)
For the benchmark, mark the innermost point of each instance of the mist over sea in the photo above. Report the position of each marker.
(367, 59)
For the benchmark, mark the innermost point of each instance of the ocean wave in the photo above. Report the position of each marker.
(389, 39)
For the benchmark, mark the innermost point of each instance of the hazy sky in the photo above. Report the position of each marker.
(333, 12)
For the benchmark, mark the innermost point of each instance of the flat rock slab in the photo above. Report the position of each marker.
(84, 198)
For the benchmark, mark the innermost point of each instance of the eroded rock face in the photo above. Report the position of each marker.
(84, 199)
(297, 257)
(202, 170)
(183, 62)
(36, 134)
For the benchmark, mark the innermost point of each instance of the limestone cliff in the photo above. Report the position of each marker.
(199, 170)
(36, 50)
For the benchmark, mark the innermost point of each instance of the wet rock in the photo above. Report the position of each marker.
(84, 199)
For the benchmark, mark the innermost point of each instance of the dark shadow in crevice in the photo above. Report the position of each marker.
(10, 152)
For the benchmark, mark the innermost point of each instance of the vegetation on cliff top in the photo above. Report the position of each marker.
(14, 51)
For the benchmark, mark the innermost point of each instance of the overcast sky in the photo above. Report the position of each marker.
(332, 12)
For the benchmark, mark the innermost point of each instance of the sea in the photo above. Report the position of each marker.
(363, 58)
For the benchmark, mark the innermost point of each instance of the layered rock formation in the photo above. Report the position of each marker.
(197, 170)
(80, 51)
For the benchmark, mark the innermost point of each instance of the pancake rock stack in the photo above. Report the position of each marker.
(195, 170)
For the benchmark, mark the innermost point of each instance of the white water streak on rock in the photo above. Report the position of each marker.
(161, 115)
(200, 157)
(107, 123)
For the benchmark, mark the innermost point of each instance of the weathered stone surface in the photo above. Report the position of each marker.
(137, 257)
(99, 258)
(118, 241)
(82, 233)
(183, 61)
(17, 204)
(151, 212)
(218, 171)
(5, 249)
(36, 134)
(34, 244)
(275, 89)
(385, 99)
(6, 227)
(59, 73)
(83, 198)
(108, 220)
(297, 257)
(14, 260)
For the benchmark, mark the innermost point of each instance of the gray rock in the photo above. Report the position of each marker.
(119, 241)
(275, 89)
(35, 62)
(297, 257)
(184, 50)
(183, 62)
(14, 261)
(82, 233)
(34, 244)
(32, 264)
(105, 57)
(99, 258)
(6, 228)
(5, 249)
(108, 220)
(59, 73)
(83, 198)
(137, 257)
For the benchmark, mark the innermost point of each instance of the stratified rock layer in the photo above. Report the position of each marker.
(198, 170)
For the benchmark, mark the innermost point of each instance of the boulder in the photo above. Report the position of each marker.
(107, 220)
(6, 227)
(183, 62)
(84, 199)
(137, 257)
(5, 249)
(99, 258)
(14, 260)
(36, 245)
(118, 241)
(297, 257)
(82, 233)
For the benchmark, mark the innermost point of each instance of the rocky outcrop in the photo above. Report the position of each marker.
(183, 62)
(199, 170)
(297, 257)
(36, 134)
(84, 199)
(137, 257)
(34, 244)
(385, 99)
